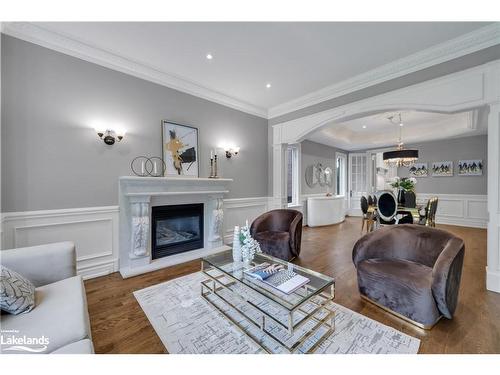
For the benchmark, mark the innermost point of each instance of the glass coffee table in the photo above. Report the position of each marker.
(277, 322)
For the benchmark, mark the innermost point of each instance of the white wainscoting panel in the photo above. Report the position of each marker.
(94, 231)
(466, 210)
(238, 210)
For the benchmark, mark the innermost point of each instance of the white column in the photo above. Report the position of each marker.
(139, 228)
(493, 165)
(215, 209)
(279, 176)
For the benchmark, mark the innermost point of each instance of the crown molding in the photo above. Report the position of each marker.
(38, 35)
(479, 39)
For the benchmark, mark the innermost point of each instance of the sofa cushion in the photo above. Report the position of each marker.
(17, 293)
(402, 286)
(60, 316)
(274, 243)
(79, 347)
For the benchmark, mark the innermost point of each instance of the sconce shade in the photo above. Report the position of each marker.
(109, 140)
(230, 151)
(109, 136)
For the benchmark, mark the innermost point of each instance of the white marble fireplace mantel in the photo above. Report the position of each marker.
(136, 197)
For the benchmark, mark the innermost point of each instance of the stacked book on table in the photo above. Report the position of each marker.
(277, 276)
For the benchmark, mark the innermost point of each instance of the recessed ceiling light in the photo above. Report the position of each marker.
(364, 126)
(268, 85)
(209, 56)
(401, 124)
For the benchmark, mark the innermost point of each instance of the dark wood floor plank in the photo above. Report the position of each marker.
(120, 326)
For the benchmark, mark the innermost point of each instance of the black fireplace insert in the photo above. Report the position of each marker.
(176, 229)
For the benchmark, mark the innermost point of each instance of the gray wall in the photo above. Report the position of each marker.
(313, 153)
(51, 156)
(452, 150)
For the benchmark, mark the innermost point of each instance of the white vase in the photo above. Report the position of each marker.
(236, 245)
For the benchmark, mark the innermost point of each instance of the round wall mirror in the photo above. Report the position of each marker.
(317, 174)
(312, 175)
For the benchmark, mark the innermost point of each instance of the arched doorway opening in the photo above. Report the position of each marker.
(473, 89)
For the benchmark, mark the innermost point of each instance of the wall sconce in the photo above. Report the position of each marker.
(230, 151)
(110, 136)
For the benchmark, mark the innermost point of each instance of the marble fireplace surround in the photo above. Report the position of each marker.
(136, 197)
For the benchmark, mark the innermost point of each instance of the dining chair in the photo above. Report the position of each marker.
(366, 217)
(433, 212)
(429, 217)
(370, 200)
(410, 199)
(387, 208)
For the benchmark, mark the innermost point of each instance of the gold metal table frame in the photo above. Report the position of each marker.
(218, 280)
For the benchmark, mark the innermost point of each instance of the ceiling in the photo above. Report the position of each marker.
(376, 131)
(295, 58)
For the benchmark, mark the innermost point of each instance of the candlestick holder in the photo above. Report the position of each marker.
(213, 167)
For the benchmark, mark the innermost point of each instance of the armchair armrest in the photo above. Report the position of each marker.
(260, 224)
(42, 264)
(371, 245)
(446, 275)
(296, 232)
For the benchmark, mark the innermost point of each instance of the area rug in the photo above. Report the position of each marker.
(187, 324)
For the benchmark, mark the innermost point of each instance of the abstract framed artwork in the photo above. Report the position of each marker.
(470, 167)
(180, 149)
(418, 170)
(442, 169)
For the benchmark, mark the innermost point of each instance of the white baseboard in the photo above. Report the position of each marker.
(493, 280)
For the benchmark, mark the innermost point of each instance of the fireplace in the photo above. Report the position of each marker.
(176, 229)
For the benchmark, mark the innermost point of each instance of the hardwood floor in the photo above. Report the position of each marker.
(120, 326)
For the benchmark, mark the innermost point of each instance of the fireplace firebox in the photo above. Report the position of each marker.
(176, 229)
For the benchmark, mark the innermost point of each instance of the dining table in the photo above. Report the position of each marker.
(401, 210)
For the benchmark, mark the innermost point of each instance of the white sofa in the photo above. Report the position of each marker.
(61, 313)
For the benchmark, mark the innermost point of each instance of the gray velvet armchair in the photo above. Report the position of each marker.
(279, 233)
(411, 270)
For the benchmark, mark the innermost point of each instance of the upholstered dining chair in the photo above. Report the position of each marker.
(410, 199)
(411, 271)
(279, 233)
(387, 208)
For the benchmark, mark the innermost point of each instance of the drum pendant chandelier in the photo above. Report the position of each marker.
(400, 157)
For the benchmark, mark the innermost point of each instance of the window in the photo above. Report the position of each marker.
(340, 173)
(292, 175)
